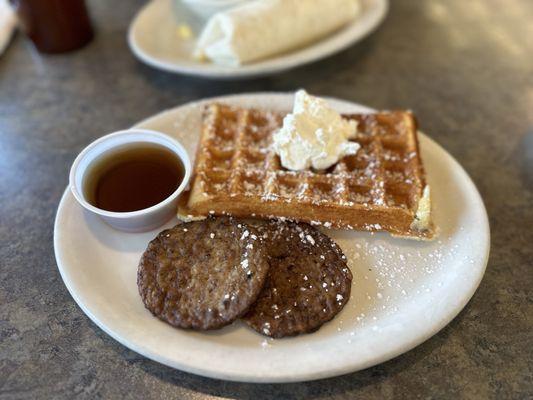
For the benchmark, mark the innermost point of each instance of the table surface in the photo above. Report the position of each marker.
(464, 67)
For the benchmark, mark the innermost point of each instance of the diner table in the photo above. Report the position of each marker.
(465, 68)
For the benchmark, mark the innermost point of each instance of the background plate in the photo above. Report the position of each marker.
(153, 39)
(403, 291)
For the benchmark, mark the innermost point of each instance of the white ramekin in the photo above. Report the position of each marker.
(134, 221)
(207, 8)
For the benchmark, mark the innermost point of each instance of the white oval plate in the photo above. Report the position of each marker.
(403, 292)
(154, 40)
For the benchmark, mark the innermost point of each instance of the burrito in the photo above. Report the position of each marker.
(263, 28)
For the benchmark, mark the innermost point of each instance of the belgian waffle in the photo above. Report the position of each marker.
(378, 189)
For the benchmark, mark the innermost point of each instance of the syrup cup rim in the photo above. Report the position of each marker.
(129, 136)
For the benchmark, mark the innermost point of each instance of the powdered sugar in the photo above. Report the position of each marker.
(390, 273)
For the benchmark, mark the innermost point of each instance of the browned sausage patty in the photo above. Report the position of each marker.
(202, 275)
(307, 285)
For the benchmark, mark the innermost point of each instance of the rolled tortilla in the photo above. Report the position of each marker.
(263, 28)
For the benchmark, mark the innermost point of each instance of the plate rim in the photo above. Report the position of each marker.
(346, 368)
(257, 69)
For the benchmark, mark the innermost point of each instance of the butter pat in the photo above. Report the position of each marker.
(422, 219)
(313, 135)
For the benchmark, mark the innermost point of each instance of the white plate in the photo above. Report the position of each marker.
(403, 291)
(153, 39)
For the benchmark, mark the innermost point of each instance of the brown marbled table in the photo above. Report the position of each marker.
(464, 67)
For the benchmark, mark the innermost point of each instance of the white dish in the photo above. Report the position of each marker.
(403, 291)
(134, 221)
(153, 38)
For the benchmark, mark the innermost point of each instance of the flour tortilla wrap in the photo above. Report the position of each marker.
(266, 27)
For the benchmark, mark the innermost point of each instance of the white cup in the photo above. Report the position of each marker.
(134, 221)
(207, 8)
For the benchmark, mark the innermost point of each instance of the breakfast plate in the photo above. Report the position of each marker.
(403, 291)
(153, 37)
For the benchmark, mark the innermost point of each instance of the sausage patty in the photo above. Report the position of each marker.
(308, 282)
(202, 275)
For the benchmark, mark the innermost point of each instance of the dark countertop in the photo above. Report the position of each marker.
(464, 67)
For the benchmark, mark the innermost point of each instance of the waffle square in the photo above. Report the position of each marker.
(378, 189)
